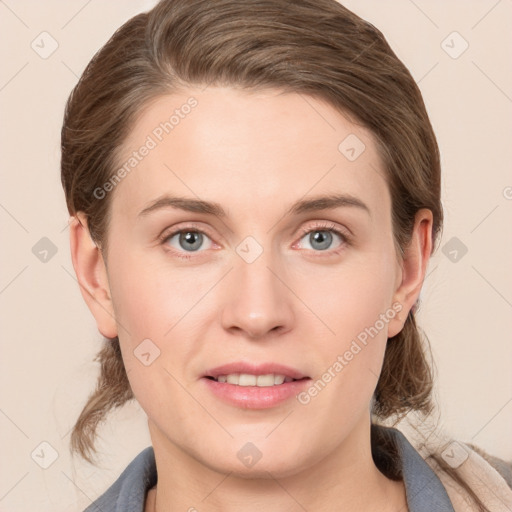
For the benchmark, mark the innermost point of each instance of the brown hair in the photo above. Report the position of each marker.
(314, 47)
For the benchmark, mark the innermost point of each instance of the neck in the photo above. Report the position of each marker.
(347, 477)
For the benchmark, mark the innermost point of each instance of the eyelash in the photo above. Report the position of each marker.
(345, 239)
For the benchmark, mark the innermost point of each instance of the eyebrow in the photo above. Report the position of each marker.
(312, 204)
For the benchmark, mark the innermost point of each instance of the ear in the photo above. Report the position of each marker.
(413, 268)
(91, 274)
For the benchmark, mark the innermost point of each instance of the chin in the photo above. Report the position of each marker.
(258, 459)
(268, 469)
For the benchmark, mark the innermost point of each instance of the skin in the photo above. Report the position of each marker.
(255, 154)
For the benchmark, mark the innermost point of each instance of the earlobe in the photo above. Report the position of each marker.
(92, 276)
(413, 266)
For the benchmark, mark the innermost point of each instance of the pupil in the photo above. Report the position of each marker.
(193, 239)
(321, 237)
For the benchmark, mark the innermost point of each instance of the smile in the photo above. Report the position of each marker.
(247, 379)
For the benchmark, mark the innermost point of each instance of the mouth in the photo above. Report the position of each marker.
(251, 386)
(243, 373)
(247, 379)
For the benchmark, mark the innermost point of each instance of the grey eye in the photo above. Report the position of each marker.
(320, 239)
(189, 241)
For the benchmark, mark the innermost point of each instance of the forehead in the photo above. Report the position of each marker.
(245, 149)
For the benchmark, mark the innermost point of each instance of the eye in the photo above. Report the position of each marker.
(321, 238)
(186, 241)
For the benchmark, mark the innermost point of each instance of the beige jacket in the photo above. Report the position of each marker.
(488, 476)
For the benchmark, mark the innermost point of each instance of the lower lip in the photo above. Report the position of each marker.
(255, 397)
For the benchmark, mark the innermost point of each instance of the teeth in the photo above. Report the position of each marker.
(246, 379)
(232, 378)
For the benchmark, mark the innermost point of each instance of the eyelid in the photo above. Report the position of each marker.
(343, 231)
(183, 227)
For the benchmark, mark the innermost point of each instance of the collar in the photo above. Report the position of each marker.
(424, 490)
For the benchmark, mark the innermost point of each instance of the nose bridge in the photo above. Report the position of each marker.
(257, 300)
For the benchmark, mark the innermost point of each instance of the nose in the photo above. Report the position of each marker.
(258, 302)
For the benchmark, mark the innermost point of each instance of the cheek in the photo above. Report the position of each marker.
(150, 298)
(159, 312)
(350, 297)
(350, 358)
(355, 304)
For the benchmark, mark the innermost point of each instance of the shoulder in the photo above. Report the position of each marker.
(481, 476)
(454, 462)
(128, 492)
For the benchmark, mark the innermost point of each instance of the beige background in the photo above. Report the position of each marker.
(48, 335)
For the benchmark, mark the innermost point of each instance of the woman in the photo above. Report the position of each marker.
(255, 194)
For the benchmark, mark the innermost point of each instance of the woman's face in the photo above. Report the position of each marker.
(289, 261)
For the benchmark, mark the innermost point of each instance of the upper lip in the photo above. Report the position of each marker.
(255, 369)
